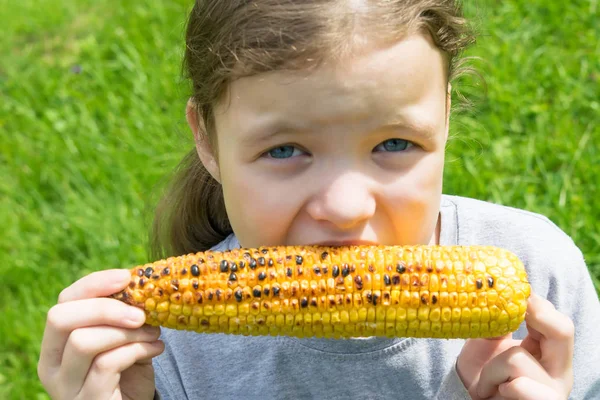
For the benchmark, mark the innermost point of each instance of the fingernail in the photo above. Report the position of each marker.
(136, 315)
(151, 329)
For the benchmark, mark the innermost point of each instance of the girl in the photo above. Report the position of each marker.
(325, 122)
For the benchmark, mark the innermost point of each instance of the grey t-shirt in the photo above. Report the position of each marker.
(217, 366)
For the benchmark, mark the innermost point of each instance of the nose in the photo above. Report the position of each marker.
(345, 202)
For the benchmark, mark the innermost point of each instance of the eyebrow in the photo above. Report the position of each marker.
(263, 131)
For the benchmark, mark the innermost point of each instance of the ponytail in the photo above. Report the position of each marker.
(191, 215)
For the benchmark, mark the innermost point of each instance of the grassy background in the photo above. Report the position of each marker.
(91, 119)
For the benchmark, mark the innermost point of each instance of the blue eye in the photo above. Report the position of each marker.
(394, 145)
(282, 152)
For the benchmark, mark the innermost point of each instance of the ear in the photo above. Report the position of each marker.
(448, 106)
(203, 147)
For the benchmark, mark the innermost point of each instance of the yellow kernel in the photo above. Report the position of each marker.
(423, 313)
(150, 304)
(411, 314)
(435, 314)
(186, 310)
(163, 306)
(446, 314)
(175, 309)
(401, 314)
(231, 310)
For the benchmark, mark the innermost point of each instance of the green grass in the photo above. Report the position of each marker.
(91, 119)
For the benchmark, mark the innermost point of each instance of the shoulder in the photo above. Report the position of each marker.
(485, 222)
(554, 263)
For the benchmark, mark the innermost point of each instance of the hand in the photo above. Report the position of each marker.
(95, 347)
(539, 367)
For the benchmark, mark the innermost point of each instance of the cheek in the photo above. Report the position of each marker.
(260, 210)
(413, 200)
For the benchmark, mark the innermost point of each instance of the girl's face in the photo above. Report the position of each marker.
(352, 153)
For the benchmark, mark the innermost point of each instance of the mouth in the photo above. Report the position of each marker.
(337, 243)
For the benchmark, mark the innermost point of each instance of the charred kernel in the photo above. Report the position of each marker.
(219, 293)
(401, 268)
(324, 270)
(204, 322)
(371, 268)
(433, 299)
(256, 292)
(195, 270)
(276, 290)
(423, 299)
(298, 260)
(210, 295)
(200, 298)
(317, 270)
(479, 283)
(242, 264)
(375, 298)
(264, 251)
(261, 261)
(270, 262)
(262, 276)
(324, 255)
(155, 276)
(148, 272)
(300, 271)
(252, 264)
(358, 281)
(238, 295)
(266, 291)
(166, 271)
(142, 282)
(160, 292)
(490, 281)
(195, 284)
(131, 285)
(232, 277)
(313, 301)
(335, 270)
(288, 257)
(345, 270)
(233, 267)
(369, 297)
(386, 280)
(224, 266)
(140, 272)
(304, 302)
(183, 271)
(395, 279)
(289, 272)
(247, 256)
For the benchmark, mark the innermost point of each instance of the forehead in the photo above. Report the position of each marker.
(369, 80)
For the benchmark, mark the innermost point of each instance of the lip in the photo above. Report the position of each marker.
(333, 243)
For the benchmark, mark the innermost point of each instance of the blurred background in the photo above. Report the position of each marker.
(92, 122)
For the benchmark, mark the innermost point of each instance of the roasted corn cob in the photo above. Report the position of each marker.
(336, 292)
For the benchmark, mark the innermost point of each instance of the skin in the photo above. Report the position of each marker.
(363, 155)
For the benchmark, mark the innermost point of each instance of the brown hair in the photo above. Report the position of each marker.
(226, 40)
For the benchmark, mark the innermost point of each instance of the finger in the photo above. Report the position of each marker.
(96, 284)
(85, 344)
(514, 362)
(64, 318)
(525, 388)
(556, 335)
(104, 374)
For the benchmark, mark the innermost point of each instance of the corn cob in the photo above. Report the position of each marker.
(336, 292)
